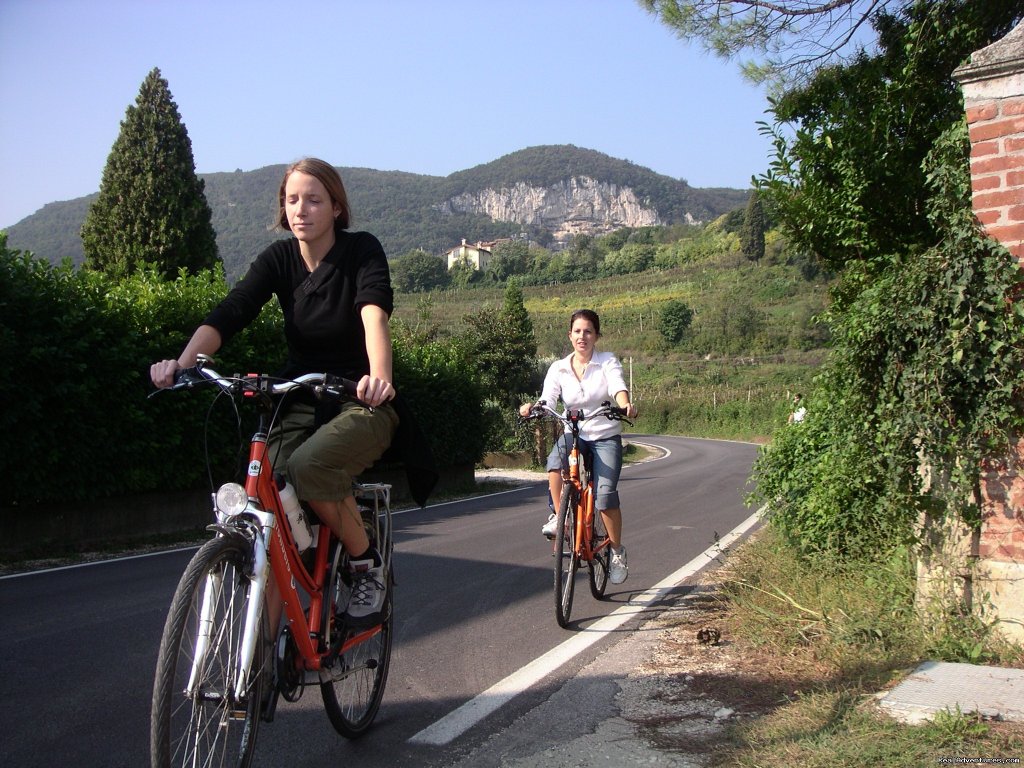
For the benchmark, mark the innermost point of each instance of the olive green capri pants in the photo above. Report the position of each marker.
(322, 463)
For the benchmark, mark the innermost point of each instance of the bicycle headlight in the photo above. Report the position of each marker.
(231, 499)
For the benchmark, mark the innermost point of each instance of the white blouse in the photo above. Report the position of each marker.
(602, 379)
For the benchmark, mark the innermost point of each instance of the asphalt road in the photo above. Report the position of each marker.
(474, 608)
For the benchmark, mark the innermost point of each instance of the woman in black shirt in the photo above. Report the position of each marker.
(335, 292)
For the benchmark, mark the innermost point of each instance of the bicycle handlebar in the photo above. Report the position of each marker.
(541, 409)
(322, 385)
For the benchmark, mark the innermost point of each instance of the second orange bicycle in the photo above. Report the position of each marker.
(579, 533)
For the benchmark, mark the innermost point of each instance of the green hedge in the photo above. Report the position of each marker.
(77, 422)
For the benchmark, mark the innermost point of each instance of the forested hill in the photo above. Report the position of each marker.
(536, 190)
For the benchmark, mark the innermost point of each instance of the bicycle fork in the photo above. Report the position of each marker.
(253, 616)
(212, 589)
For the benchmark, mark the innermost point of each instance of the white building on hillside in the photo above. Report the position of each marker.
(478, 255)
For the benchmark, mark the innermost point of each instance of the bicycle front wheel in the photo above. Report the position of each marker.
(197, 718)
(566, 559)
(353, 686)
(600, 563)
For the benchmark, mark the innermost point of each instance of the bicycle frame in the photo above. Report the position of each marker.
(221, 667)
(582, 480)
(578, 474)
(265, 525)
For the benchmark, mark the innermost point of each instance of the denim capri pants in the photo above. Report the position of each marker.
(606, 455)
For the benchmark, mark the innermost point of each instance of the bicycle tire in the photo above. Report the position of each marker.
(210, 726)
(566, 559)
(357, 677)
(600, 563)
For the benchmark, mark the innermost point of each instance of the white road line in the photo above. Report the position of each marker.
(469, 714)
(122, 558)
(91, 563)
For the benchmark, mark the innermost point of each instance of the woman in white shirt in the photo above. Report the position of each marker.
(584, 380)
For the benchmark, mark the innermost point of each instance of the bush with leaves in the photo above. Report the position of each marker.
(674, 321)
(78, 422)
(847, 181)
(632, 257)
(927, 369)
(83, 425)
(418, 272)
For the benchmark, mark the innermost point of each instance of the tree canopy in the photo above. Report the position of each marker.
(151, 209)
(418, 271)
(792, 38)
(870, 175)
(848, 180)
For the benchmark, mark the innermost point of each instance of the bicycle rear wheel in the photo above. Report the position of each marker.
(353, 686)
(204, 722)
(566, 559)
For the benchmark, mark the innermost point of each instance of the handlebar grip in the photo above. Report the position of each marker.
(338, 385)
(536, 410)
(186, 377)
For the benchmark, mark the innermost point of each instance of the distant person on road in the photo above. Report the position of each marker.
(585, 379)
(334, 288)
(799, 411)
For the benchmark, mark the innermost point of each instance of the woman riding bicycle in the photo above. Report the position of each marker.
(584, 380)
(334, 288)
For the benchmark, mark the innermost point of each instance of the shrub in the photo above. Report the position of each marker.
(674, 321)
(78, 346)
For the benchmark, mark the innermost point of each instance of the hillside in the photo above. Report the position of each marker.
(754, 339)
(550, 192)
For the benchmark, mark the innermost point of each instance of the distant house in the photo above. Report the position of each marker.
(478, 255)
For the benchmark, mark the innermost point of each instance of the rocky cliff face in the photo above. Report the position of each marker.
(579, 205)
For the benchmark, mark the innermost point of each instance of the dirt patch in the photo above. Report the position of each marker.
(700, 680)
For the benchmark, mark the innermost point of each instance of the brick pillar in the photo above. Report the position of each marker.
(993, 88)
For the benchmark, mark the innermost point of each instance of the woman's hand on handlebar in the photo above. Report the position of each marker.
(373, 391)
(529, 410)
(162, 373)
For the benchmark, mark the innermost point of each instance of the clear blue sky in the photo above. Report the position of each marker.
(425, 86)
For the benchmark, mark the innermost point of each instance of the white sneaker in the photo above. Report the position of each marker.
(549, 527)
(618, 570)
(368, 591)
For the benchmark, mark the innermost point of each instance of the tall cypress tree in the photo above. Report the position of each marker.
(151, 208)
(752, 231)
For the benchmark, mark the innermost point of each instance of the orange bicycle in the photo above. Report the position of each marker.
(218, 674)
(579, 532)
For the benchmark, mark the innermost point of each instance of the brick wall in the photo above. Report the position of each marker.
(993, 88)
(997, 168)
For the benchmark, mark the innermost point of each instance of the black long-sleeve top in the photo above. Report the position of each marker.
(323, 329)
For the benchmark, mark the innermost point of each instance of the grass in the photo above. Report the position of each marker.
(817, 641)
